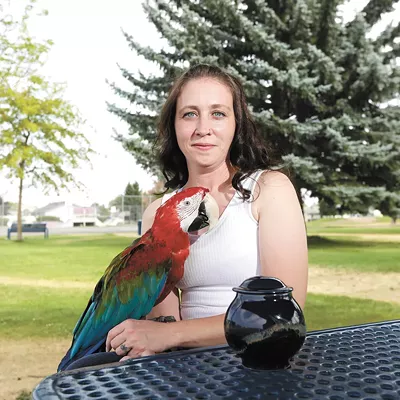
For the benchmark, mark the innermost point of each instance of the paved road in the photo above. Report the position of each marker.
(131, 229)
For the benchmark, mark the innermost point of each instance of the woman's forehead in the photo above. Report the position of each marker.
(205, 90)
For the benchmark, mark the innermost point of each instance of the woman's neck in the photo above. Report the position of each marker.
(216, 180)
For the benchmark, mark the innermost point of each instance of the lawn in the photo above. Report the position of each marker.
(381, 226)
(333, 311)
(352, 253)
(44, 311)
(38, 312)
(72, 258)
(53, 279)
(47, 313)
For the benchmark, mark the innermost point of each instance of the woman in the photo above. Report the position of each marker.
(208, 138)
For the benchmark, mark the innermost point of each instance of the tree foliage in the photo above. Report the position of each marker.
(321, 90)
(131, 197)
(130, 203)
(41, 140)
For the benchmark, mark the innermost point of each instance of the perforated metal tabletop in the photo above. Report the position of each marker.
(358, 362)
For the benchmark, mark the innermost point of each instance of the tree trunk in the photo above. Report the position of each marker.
(301, 200)
(19, 220)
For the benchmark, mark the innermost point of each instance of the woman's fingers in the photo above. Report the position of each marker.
(119, 341)
(148, 353)
(122, 349)
(133, 355)
(114, 332)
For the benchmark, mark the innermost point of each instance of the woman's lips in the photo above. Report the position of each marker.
(203, 147)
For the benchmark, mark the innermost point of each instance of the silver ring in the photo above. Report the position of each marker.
(124, 348)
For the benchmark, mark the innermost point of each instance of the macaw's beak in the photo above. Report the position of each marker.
(201, 221)
(208, 214)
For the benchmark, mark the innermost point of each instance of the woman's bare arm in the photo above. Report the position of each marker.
(199, 332)
(282, 234)
(283, 254)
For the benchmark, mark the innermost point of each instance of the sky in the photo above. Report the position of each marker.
(88, 45)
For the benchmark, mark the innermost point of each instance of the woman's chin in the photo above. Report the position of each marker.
(206, 162)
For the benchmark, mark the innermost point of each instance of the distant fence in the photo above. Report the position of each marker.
(129, 211)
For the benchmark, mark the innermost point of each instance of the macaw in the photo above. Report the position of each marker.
(143, 274)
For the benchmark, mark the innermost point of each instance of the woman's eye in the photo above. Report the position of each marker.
(189, 114)
(218, 114)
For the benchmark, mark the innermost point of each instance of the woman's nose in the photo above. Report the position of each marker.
(202, 132)
(203, 128)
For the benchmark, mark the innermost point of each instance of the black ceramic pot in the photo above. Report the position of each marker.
(264, 324)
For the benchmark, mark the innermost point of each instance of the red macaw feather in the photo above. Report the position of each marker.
(138, 278)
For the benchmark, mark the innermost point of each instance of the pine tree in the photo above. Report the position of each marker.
(133, 190)
(319, 88)
(130, 202)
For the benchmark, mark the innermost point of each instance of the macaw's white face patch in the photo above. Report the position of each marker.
(189, 206)
(197, 212)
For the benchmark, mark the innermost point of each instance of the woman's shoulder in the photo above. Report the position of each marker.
(266, 180)
(271, 178)
(274, 186)
(149, 214)
(167, 196)
(152, 207)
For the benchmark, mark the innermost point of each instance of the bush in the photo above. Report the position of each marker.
(24, 395)
(47, 218)
(3, 221)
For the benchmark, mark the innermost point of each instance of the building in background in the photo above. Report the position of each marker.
(68, 214)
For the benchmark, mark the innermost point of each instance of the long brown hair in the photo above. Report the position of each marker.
(248, 151)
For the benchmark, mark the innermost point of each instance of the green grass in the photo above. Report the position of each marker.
(84, 258)
(352, 230)
(348, 226)
(43, 313)
(322, 311)
(362, 221)
(354, 254)
(24, 395)
(75, 258)
(39, 312)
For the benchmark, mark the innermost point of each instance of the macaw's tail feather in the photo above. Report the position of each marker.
(68, 360)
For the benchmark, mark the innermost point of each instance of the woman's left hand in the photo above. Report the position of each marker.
(139, 338)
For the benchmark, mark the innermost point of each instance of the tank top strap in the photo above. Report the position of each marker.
(251, 181)
(167, 196)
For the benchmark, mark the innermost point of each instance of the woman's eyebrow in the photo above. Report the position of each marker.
(193, 107)
(220, 106)
(189, 106)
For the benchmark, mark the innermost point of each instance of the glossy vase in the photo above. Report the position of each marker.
(264, 324)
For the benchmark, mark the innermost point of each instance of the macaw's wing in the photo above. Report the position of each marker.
(128, 289)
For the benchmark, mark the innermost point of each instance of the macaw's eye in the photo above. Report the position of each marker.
(187, 203)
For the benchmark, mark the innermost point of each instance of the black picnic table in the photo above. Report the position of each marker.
(355, 362)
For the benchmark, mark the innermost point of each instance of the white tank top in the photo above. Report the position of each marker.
(221, 259)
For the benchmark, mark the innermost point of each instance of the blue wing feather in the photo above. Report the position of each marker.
(137, 307)
(92, 328)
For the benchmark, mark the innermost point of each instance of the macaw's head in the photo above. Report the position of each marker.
(194, 207)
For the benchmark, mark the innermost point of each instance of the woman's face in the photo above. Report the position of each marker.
(205, 122)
